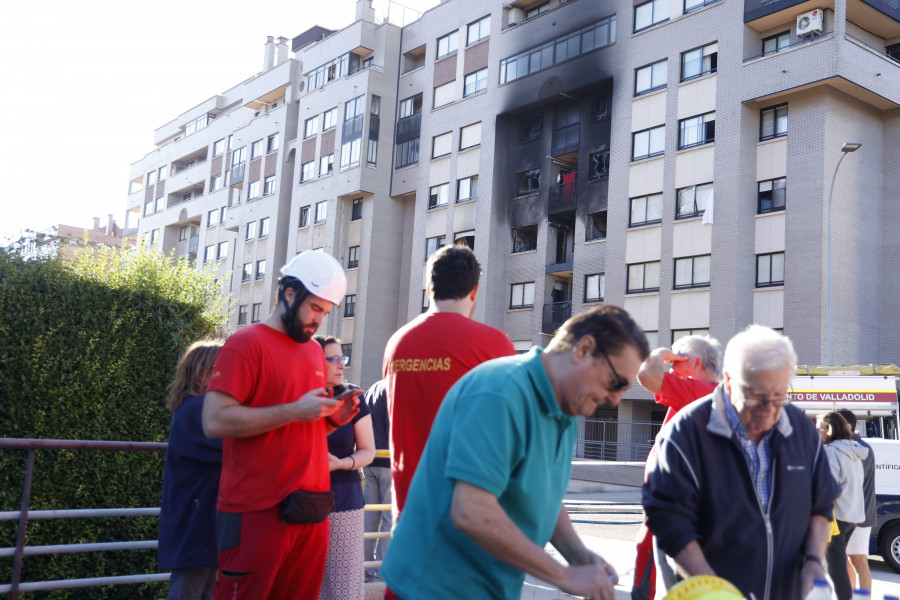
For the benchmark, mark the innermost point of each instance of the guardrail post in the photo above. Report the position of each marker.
(20, 535)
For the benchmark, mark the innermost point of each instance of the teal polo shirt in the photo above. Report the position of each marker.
(499, 428)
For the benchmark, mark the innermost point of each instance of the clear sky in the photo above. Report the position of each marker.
(86, 82)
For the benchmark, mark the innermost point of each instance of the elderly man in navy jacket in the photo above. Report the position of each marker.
(739, 486)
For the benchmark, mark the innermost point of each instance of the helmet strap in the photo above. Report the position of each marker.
(288, 317)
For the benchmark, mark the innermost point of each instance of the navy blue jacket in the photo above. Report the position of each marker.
(376, 399)
(698, 487)
(187, 518)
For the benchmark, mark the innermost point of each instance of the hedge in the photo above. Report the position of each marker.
(87, 350)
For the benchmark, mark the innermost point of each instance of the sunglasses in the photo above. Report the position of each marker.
(338, 360)
(620, 383)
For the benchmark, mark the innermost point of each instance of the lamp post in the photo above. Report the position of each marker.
(846, 149)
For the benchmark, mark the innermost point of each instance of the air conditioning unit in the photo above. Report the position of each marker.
(810, 23)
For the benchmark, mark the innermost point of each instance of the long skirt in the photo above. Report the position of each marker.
(344, 577)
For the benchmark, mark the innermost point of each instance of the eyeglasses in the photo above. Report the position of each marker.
(752, 400)
(825, 428)
(620, 383)
(338, 360)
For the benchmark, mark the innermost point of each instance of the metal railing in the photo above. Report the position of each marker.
(609, 439)
(20, 551)
(797, 44)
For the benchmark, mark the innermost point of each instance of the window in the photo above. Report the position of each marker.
(269, 186)
(521, 295)
(692, 272)
(524, 238)
(776, 43)
(307, 171)
(425, 301)
(356, 209)
(326, 165)
(441, 144)
(212, 218)
(438, 196)
(148, 208)
(257, 308)
(770, 269)
(272, 143)
(596, 226)
(692, 200)
(350, 153)
(407, 153)
(465, 238)
(699, 61)
(478, 30)
(433, 244)
(470, 136)
(443, 94)
(253, 191)
(209, 253)
(691, 5)
(247, 272)
(677, 334)
(773, 122)
(215, 183)
(151, 178)
(310, 127)
(650, 13)
(353, 257)
(594, 287)
(647, 143)
(347, 351)
(448, 44)
(222, 251)
(329, 119)
(600, 107)
(256, 149)
(261, 269)
(696, 131)
(154, 236)
(374, 127)
(651, 78)
(242, 314)
(467, 189)
(250, 232)
(304, 217)
(475, 82)
(411, 106)
(645, 210)
(321, 211)
(771, 195)
(183, 233)
(228, 145)
(592, 37)
(528, 182)
(598, 165)
(643, 277)
(264, 227)
(531, 128)
(218, 147)
(222, 215)
(350, 305)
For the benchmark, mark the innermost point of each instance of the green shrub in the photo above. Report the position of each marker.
(87, 350)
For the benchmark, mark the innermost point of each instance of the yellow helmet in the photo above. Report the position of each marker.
(704, 587)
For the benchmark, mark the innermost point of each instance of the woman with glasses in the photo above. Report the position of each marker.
(845, 459)
(350, 447)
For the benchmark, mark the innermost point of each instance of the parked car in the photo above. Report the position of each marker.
(885, 538)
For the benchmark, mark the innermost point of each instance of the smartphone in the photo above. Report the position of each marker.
(348, 393)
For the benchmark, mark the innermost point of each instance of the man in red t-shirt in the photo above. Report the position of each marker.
(428, 355)
(267, 399)
(677, 377)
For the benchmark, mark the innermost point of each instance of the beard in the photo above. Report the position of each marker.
(302, 332)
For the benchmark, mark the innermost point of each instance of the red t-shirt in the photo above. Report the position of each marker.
(259, 366)
(677, 392)
(422, 361)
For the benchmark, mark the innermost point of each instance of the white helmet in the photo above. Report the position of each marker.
(320, 273)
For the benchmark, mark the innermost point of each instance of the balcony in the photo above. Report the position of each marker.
(565, 139)
(555, 314)
(409, 128)
(562, 203)
(193, 244)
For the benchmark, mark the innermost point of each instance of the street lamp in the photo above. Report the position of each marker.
(846, 149)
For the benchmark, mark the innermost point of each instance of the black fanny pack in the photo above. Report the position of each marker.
(303, 506)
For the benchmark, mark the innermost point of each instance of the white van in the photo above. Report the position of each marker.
(885, 538)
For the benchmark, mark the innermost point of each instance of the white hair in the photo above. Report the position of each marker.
(707, 349)
(756, 349)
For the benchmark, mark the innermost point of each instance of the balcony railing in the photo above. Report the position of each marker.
(408, 128)
(562, 200)
(555, 314)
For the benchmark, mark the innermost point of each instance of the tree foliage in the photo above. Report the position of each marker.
(87, 350)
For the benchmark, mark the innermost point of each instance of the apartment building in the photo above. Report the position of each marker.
(674, 157)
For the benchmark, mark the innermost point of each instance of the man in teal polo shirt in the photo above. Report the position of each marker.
(487, 495)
